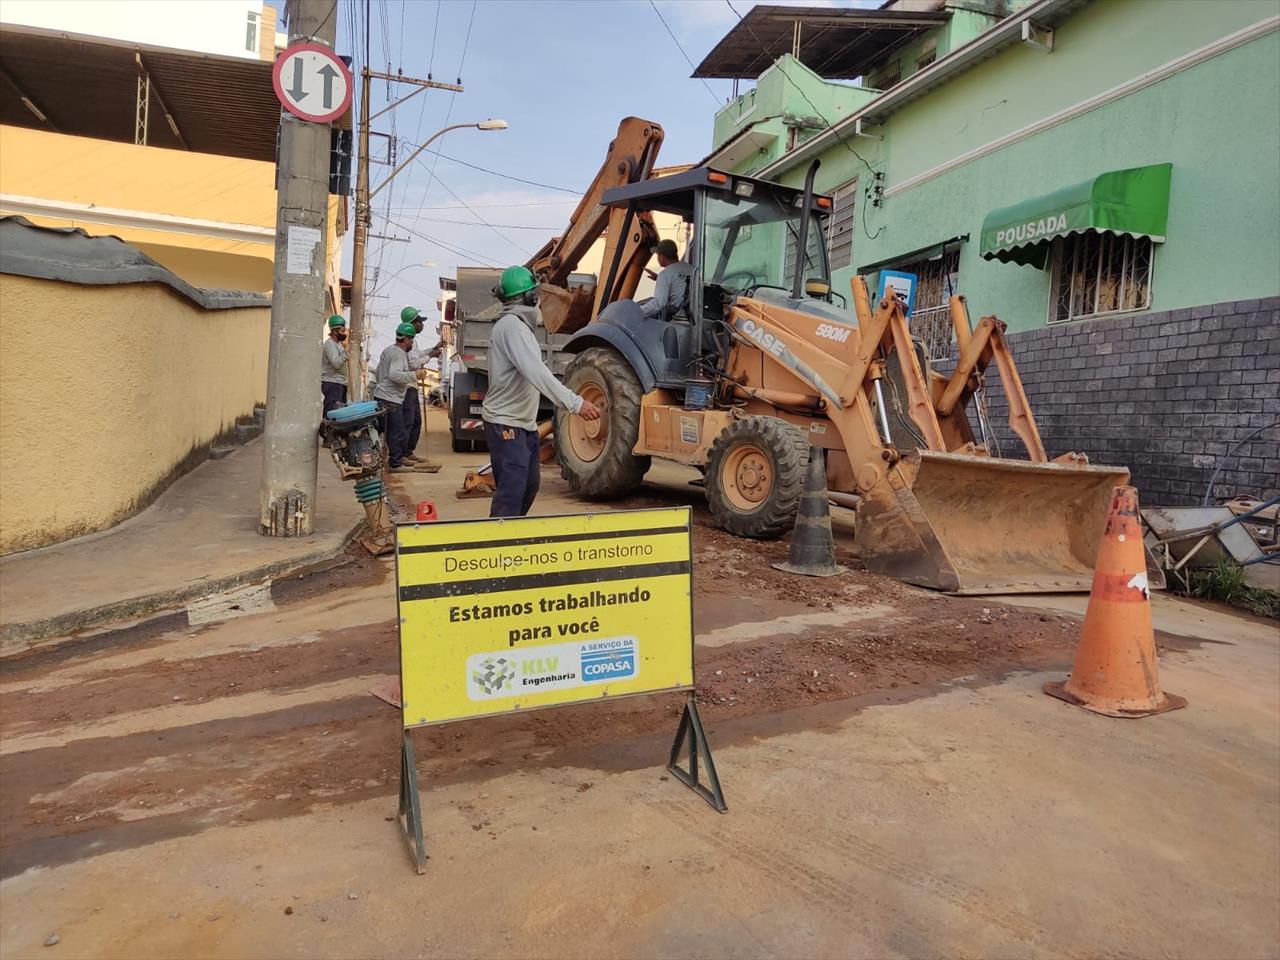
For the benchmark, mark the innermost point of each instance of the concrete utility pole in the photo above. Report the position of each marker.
(290, 441)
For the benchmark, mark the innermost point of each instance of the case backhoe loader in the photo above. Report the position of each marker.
(764, 363)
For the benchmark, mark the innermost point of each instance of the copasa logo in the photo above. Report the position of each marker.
(609, 660)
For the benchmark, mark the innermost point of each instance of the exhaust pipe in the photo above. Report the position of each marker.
(802, 241)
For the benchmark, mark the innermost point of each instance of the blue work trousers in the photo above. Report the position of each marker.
(513, 452)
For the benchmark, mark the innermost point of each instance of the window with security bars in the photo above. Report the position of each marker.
(840, 225)
(1095, 274)
(930, 319)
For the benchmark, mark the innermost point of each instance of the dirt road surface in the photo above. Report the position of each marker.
(898, 786)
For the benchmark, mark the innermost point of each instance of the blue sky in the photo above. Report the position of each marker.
(562, 74)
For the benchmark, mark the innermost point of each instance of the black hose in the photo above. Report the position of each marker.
(1208, 491)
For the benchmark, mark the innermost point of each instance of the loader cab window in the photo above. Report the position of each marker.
(750, 242)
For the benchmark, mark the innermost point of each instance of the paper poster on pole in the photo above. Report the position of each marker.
(300, 249)
(499, 616)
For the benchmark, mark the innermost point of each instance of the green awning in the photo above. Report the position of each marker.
(1133, 202)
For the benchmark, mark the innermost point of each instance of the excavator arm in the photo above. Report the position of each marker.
(629, 235)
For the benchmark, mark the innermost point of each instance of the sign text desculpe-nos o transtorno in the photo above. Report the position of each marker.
(312, 82)
(542, 611)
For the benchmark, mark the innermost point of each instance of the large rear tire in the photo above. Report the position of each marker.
(755, 476)
(596, 457)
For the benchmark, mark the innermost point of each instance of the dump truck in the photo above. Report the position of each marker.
(476, 312)
(767, 361)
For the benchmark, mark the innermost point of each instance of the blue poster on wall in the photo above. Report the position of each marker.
(903, 284)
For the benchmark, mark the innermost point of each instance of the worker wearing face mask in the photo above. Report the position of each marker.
(394, 378)
(333, 365)
(517, 376)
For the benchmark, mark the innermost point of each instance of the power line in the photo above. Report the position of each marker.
(674, 40)
(492, 206)
(466, 41)
(447, 245)
(503, 226)
(452, 96)
(800, 90)
(830, 126)
(496, 173)
(491, 227)
(435, 32)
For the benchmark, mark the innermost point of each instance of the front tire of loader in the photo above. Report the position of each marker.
(596, 457)
(755, 476)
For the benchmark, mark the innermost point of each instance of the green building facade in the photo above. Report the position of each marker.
(1145, 322)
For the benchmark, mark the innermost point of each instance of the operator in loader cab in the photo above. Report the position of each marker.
(517, 376)
(671, 295)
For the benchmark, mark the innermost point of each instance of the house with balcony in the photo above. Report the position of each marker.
(1102, 176)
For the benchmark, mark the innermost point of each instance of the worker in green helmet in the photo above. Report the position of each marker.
(333, 365)
(417, 360)
(517, 376)
(394, 378)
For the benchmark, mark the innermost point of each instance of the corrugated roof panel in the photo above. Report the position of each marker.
(87, 86)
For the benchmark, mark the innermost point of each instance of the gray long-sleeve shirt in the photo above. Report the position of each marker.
(517, 374)
(333, 362)
(671, 292)
(394, 376)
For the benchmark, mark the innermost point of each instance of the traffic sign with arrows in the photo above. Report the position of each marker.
(312, 82)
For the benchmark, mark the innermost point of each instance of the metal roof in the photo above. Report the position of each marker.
(1011, 30)
(674, 194)
(87, 86)
(837, 43)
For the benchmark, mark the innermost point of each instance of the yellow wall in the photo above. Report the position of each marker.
(157, 380)
(175, 183)
(212, 270)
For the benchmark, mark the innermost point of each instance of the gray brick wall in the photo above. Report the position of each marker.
(1165, 394)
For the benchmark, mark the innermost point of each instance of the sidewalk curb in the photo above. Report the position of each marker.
(17, 639)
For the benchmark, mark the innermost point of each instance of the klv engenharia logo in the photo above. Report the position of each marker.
(494, 674)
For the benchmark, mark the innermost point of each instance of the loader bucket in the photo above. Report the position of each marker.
(980, 525)
(566, 309)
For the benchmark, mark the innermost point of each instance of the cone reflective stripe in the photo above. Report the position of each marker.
(813, 549)
(1115, 669)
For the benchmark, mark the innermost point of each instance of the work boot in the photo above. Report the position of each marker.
(402, 468)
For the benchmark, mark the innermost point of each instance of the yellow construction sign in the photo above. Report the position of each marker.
(504, 615)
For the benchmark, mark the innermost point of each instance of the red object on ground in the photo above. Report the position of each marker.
(1115, 668)
(427, 511)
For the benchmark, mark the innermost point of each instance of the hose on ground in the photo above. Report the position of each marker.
(1208, 491)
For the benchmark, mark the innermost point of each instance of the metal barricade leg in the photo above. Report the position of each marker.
(410, 814)
(691, 728)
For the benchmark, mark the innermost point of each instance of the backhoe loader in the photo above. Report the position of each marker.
(763, 363)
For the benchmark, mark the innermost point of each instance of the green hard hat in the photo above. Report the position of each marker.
(515, 281)
(406, 330)
(337, 321)
(408, 314)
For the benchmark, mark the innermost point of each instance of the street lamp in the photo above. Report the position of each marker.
(364, 197)
(482, 125)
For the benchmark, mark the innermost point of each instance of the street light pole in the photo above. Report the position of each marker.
(364, 217)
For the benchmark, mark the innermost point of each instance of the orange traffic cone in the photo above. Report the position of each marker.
(1115, 667)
